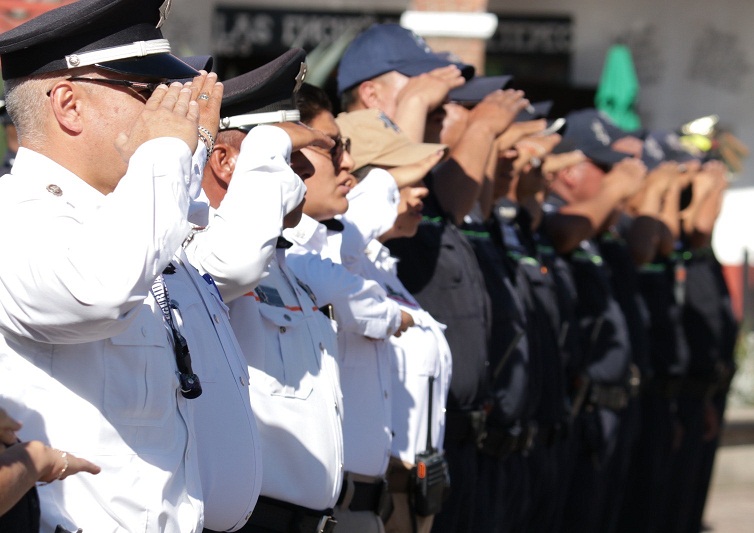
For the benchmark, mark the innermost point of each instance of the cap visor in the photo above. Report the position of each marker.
(474, 90)
(541, 110)
(603, 155)
(430, 63)
(152, 66)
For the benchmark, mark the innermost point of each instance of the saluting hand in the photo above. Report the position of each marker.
(302, 136)
(498, 110)
(169, 112)
(207, 92)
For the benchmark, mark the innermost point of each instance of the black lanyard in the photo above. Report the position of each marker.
(190, 386)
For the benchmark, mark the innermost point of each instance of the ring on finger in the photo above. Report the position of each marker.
(203, 96)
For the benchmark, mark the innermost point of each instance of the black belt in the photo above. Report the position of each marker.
(667, 387)
(366, 493)
(362, 495)
(461, 426)
(613, 397)
(694, 387)
(501, 443)
(283, 517)
(550, 434)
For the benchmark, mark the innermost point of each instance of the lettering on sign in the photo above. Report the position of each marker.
(239, 32)
(531, 36)
(719, 60)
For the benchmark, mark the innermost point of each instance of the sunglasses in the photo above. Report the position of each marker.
(141, 87)
(342, 145)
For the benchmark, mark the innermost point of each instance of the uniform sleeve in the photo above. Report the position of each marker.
(361, 305)
(81, 273)
(240, 239)
(372, 207)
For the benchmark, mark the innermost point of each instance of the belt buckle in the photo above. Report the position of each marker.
(326, 524)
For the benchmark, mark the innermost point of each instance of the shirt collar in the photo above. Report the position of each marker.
(308, 232)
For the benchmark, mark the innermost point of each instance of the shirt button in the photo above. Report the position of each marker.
(287, 317)
(248, 516)
(282, 329)
(54, 190)
(321, 347)
(217, 319)
(242, 380)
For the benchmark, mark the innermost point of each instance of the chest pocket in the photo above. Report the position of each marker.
(140, 375)
(195, 321)
(290, 358)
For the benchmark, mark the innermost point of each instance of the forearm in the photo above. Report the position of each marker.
(19, 472)
(458, 181)
(238, 243)
(361, 305)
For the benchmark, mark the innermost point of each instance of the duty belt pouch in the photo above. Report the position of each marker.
(430, 477)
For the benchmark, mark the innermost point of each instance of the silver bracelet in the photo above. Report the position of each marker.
(64, 455)
(209, 140)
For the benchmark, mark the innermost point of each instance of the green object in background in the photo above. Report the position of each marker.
(618, 88)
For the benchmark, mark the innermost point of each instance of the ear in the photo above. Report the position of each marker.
(369, 94)
(568, 176)
(218, 172)
(222, 163)
(66, 106)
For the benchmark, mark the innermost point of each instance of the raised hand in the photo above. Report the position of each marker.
(207, 92)
(169, 112)
(498, 110)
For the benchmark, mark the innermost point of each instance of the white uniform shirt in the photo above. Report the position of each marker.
(366, 318)
(240, 240)
(421, 351)
(290, 347)
(85, 360)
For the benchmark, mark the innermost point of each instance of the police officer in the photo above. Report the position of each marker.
(656, 209)
(517, 214)
(366, 319)
(107, 367)
(385, 205)
(582, 199)
(711, 330)
(289, 345)
(437, 265)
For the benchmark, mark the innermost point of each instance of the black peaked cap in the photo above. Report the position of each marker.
(41, 44)
(264, 89)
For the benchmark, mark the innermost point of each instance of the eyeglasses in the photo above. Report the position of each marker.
(141, 87)
(342, 145)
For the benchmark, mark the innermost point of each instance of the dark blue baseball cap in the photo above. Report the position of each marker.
(661, 146)
(535, 111)
(382, 48)
(475, 89)
(119, 35)
(591, 132)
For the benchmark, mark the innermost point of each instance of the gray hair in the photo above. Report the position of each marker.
(27, 106)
